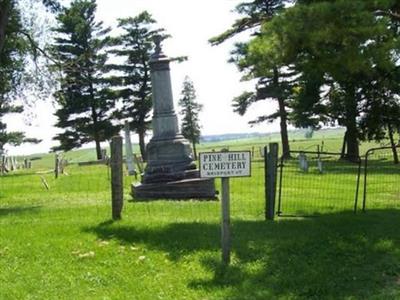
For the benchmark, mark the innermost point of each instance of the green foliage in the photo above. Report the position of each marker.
(131, 79)
(258, 59)
(336, 47)
(190, 109)
(19, 64)
(13, 49)
(84, 99)
(254, 14)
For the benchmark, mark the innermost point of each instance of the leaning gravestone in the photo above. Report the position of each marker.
(170, 171)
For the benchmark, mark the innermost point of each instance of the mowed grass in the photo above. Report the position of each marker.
(61, 244)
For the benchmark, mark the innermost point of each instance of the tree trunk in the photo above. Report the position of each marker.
(142, 144)
(284, 132)
(393, 145)
(4, 14)
(194, 150)
(98, 149)
(283, 117)
(343, 152)
(351, 125)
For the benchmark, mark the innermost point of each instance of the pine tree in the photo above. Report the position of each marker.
(335, 46)
(16, 46)
(274, 82)
(273, 77)
(84, 99)
(190, 110)
(131, 80)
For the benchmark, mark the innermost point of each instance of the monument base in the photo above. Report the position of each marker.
(194, 188)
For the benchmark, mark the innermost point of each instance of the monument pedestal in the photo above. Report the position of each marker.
(194, 188)
(170, 172)
(168, 160)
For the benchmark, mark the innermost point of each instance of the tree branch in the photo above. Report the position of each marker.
(36, 48)
(393, 15)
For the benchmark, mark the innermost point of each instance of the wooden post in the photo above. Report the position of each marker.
(12, 163)
(225, 228)
(2, 164)
(271, 175)
(56, 166)
(117, 191)
(226, 220)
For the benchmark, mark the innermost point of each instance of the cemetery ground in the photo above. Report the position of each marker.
(60, 243)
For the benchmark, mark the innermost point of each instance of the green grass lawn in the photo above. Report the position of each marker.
(61, 244)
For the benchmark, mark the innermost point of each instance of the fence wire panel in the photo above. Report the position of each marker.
(311, 184)
(83, 194)
(248, 193)
(36, 195)
(247, 202)
(381, 180)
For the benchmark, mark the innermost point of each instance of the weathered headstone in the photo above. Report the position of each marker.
(103, 154)
(170, 171)
(303, 163)
(128, 150)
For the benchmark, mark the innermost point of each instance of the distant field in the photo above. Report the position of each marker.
(330, 139)
(59, 243)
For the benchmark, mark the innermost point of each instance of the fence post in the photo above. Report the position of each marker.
(117, 192)
(271, 164)
(56, 166)
(226, 219)
(365, 181)
(3, 165)
(225, 232)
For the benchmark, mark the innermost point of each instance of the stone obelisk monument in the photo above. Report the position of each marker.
(170, 171)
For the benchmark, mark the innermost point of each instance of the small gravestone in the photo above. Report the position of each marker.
(128, 150)
(303, 162)
(103, 154)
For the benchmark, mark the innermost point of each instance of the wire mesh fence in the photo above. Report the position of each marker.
(312, 183)
(37, 193)
(84, 192)
(381, 187)
(309, 183)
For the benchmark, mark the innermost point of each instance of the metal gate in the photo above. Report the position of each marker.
(381, 186)
(312, 183)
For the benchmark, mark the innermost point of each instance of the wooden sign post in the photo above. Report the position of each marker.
(224, 165)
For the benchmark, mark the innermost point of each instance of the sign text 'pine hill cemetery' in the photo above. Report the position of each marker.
(225, 164)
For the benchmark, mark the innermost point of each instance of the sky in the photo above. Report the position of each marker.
(191, 23)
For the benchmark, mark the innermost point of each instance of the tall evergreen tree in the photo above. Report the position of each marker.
(274, 82)
(84, 99)
(380, 117)
(131, 80)
(12, 51)
(344, 46)
(190, 110)
(273, 77)
(16, 46)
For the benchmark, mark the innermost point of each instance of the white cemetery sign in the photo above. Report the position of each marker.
(225, 164)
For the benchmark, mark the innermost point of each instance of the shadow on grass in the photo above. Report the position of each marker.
(4, 211)
(336, 256)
